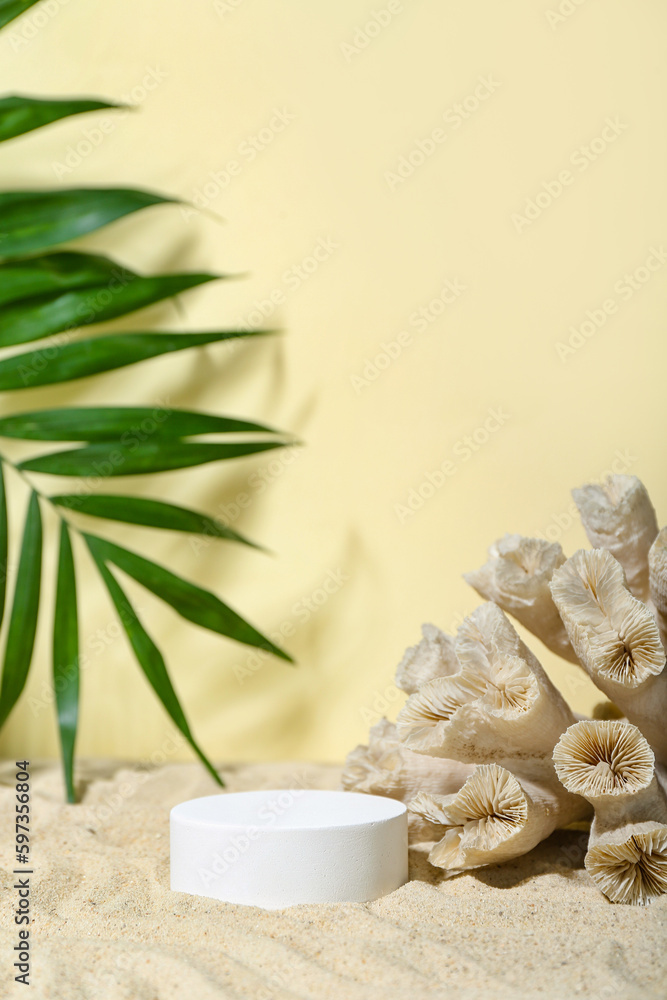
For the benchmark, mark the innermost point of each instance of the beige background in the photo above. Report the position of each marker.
(210, 77)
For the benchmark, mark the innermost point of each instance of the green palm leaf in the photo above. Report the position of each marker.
(148, 513)
(66, 657)
(35, 220)
(20, 114)
(191, 602)
(44, 315)
(110, 423)
(66, 362)
(54, 272)
(23, 618)
(152, 663)
(46, 290)
(112, 458)
(9, 9)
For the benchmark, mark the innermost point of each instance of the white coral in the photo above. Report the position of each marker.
(434, 656)
(386, 767)
(611, 765)
(472, 752)
(616, 638)
(516, 577)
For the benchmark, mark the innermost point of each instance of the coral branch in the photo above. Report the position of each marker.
(657, 569)
(616, 639)
(495, 817)
(501, 707)
(386, 767)
(434, 656)
(619, 516)
(516, 577)
(612, 765)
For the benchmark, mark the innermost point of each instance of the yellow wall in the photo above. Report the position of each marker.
(338, 115)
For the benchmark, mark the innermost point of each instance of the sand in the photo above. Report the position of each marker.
(106, 924)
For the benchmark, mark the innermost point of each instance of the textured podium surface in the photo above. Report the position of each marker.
(278, 848)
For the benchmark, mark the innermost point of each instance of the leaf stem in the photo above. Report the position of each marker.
(42, 496)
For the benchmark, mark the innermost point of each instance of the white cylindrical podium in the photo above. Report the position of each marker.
(279, 848)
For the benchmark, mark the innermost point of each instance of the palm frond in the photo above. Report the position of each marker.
(48, 289)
